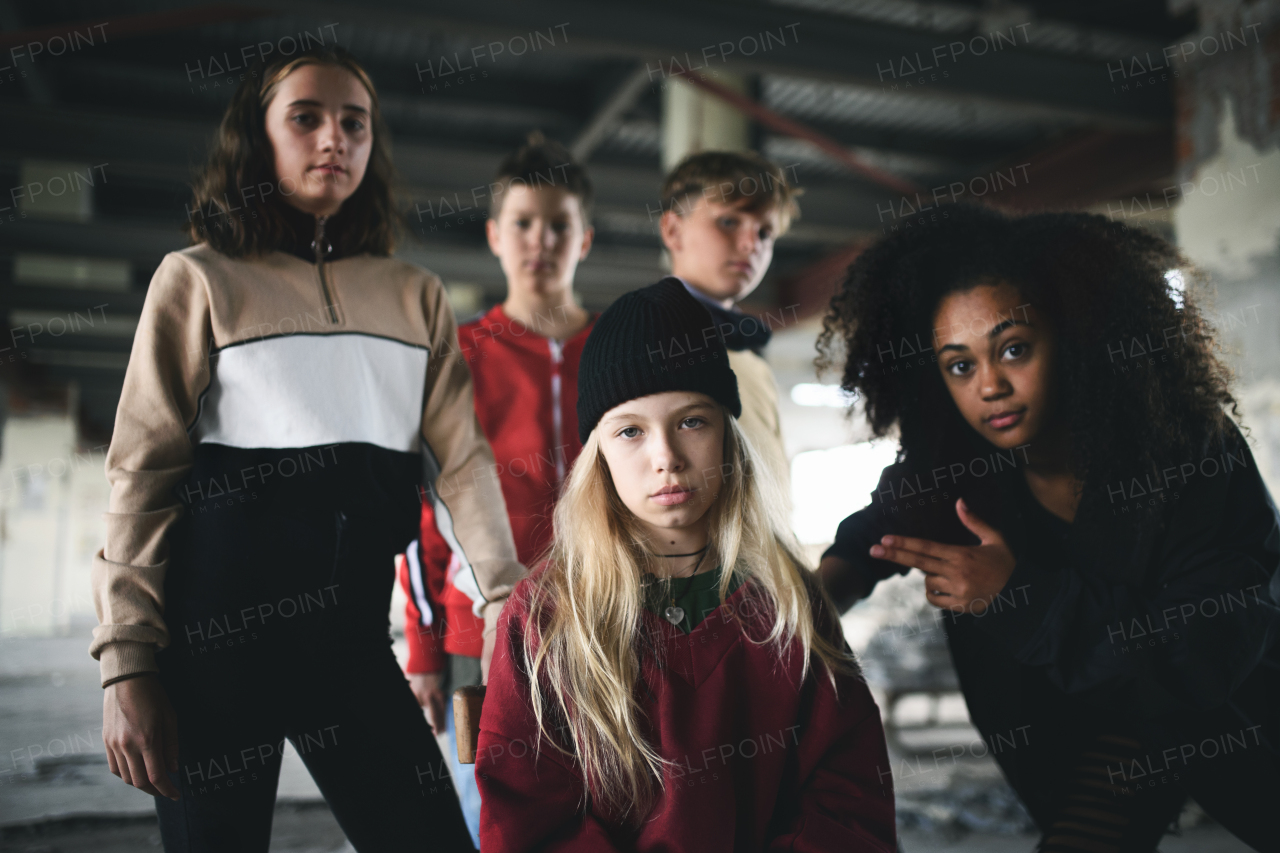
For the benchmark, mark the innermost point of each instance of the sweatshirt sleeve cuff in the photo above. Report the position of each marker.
(425, 652)
(854, 538)
(124, 659)
(1021, 611)
(492, 610)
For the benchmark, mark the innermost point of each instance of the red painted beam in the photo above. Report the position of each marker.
(1090, 167)
(781, 124)
(1081, 170)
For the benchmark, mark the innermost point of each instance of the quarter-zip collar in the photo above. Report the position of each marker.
(322, 247)
(311, 239)
(302, 230)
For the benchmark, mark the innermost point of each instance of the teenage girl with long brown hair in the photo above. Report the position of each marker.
(291, 387)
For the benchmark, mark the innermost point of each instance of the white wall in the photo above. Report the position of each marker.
(52, 496)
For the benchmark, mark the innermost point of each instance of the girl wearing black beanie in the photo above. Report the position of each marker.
(672, 676)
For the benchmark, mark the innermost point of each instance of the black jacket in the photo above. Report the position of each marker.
(1154, 613)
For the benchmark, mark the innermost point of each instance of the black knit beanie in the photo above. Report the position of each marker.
(655, 339)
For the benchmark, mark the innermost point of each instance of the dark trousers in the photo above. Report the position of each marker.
(1116, 796)
(280, 631)
(1102, 809)
(356, 726)
(1095, 776)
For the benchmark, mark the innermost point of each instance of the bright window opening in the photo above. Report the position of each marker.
(827, 485)
(813, 394)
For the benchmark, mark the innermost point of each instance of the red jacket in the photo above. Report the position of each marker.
(526, 394)
(762, 761)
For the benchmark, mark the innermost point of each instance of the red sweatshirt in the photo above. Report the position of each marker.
(526, 393)
(762, 761)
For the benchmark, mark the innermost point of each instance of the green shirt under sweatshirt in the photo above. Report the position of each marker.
(698, 596)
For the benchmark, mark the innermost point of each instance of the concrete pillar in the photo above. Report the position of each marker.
(693, 120)
(35, 507)
(1228, 220)
(53, 492)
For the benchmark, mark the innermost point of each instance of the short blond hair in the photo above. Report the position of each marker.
(728, 176)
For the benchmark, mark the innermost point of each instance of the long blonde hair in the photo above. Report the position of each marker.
(585, 629)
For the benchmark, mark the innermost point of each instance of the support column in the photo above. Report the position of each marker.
(694, 121)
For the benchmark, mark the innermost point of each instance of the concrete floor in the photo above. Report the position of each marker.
(1202, 839)
(298, 828)
(309, 828)
(56, 793)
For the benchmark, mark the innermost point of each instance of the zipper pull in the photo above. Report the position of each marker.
(320, 241)
(326, 297)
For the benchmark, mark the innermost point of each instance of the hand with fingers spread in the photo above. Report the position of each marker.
(960, 578)
(140, 731)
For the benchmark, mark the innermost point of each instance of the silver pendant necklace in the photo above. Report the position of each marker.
(674, 613)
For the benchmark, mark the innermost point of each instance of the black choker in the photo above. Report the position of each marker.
(701, 550)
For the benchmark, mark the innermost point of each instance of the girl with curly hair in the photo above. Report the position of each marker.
(1088, 517)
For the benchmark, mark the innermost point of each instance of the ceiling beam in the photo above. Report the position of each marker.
(132, 26)
(693, 32)
(607, 118)
(1070, 174)
(1094, 166)
(709, 33)
(781, 124)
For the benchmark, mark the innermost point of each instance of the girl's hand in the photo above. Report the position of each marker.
(140, 732)
(426, 689)
(961, 578)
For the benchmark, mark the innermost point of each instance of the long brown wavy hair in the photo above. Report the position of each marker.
(241, 167)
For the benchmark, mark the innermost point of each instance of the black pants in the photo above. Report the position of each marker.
(1095, 778)
(356, 726)
(1105, 791)
(1102, 809)
(1122, 798)
(279, 626)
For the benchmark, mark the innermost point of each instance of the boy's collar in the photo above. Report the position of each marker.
(699, 295)
(746, 332)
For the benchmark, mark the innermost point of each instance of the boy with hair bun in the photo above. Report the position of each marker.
(523, 356)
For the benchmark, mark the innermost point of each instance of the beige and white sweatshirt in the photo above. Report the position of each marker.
(276, 352)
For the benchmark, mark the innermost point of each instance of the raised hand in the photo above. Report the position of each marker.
(960, 578)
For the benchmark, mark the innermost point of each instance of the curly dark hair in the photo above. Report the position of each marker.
(241, 163)
(1105, 289)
